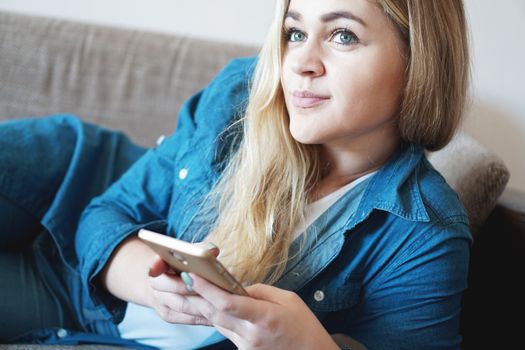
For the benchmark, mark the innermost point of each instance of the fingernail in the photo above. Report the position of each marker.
(211, 246)
(187, 281)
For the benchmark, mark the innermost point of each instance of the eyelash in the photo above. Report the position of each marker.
(289, 31)
(345, 30)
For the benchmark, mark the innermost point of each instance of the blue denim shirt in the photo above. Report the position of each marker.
(388, 271)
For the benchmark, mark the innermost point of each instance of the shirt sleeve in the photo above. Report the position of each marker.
(141, 197)
(416, 303)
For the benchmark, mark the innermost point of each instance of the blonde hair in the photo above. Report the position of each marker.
(264, 189)
(435, 32)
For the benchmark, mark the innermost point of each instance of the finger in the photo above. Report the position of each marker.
(169, 283)
(221, 319)
(177, 303)
(173, 316)
(212, 248)
(158, 267)
(241, 307)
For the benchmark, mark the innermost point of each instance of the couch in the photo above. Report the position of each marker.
(136, 81)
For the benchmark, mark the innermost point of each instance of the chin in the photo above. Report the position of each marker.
(305, 138)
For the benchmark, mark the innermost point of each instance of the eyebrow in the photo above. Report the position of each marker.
(329, 17)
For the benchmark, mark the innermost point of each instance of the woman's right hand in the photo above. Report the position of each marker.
(170, 297)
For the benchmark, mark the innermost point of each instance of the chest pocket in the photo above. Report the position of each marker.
(334, 295)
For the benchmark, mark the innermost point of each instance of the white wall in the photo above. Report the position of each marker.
(496, 117)
(243, 21)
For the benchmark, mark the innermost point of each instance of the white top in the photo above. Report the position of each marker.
(145, 326)
(317, 208)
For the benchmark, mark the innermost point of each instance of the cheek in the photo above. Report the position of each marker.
(374, 92)
(283, 78)
(391, 73)
(286, 73)
(355, 94)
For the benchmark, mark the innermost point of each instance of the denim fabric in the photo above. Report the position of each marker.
(28, 302)
(50, 168)
(18, 227)
(388, 270)
(391, 272)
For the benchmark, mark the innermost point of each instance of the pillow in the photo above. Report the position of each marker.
(478, 175)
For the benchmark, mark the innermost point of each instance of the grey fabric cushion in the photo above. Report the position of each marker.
(478, 175)
(124, 79)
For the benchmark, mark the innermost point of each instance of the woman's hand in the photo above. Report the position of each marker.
(170, 297)
(270, 318)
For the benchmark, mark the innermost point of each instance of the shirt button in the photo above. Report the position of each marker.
(61, 333)
(160, 140)
(319, 295)
(183, 173)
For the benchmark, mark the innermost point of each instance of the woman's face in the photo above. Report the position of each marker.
(343, 71)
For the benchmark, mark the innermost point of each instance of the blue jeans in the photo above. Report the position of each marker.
(50, 168)
(28, 301)
(18, 227)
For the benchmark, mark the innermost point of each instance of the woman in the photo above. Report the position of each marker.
(319, 196)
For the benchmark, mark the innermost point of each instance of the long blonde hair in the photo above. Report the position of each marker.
(264, 190)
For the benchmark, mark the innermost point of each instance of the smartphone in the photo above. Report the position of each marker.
(186, 257)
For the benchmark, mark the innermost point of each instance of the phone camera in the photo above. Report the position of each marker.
(179, 257)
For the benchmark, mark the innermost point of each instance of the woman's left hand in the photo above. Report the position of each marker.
(270, 318)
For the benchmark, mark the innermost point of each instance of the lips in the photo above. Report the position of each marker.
(308, 99)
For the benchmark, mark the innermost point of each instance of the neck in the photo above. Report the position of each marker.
(347, 160)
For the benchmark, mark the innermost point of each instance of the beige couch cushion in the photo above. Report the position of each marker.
(477, 174)
(129, 80)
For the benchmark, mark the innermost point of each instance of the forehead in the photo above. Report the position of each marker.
(360, 11)
(367, 13)
(314, 6)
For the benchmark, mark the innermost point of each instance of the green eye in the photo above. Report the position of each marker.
(296, 36)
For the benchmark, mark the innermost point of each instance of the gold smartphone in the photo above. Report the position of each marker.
(186, 257)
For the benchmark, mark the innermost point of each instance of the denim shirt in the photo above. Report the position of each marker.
(388, 270)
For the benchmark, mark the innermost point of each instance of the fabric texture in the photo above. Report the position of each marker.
(37, 306)
(18, 226)
(51, 168)
(131, 80)
(317, 208)
(145, 326)
(477, 174)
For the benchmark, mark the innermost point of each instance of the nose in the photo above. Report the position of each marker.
(307, 60)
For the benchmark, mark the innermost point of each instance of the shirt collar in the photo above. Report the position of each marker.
(395, 188)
